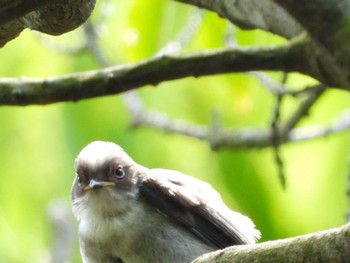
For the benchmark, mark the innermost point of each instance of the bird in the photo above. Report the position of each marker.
(128, 213)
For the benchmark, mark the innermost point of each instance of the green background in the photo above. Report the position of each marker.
(39, 143)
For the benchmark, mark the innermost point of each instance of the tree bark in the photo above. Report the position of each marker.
(118, 79)
(327, 246)
(53, 17)
(13, 9)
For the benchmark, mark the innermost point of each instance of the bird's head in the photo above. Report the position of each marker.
(105, 177)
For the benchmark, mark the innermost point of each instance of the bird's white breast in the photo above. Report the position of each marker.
(104, 225)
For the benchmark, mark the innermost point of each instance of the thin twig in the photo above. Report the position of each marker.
(230, 36)
(185, 35)
(276, 138)
(279, 88)
(273, 86)
(303, 109)
(91, 42)
(131, 98)
(238, 139)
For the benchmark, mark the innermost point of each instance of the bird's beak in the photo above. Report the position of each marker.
(94, 184)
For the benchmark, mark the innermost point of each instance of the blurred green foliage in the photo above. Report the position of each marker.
(39, 143)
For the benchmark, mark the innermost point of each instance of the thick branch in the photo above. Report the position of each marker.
(117, 79)
(326, 246)
(53, 17)
(252, 14)
(12, 9)
(327, 22)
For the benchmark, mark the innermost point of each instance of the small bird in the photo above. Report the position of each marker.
(128, 213)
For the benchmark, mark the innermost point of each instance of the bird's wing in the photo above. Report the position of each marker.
(196, 206)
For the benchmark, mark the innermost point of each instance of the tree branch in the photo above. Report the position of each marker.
(236, 139)
(53, 17)
(327, 22)
(12, 9)
(303, 109)
(276, 136)
(117, 79)
(327, 246)
(252, 14)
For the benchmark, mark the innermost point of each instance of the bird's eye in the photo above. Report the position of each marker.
(80, 180)
(119, 171)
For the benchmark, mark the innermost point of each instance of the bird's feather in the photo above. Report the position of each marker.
(196, 206)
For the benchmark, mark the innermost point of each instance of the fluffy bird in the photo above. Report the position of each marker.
(128, 213)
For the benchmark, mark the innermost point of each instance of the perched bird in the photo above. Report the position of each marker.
(131, 214)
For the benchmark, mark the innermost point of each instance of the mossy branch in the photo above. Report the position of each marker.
(321, 247)
(118, 79)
